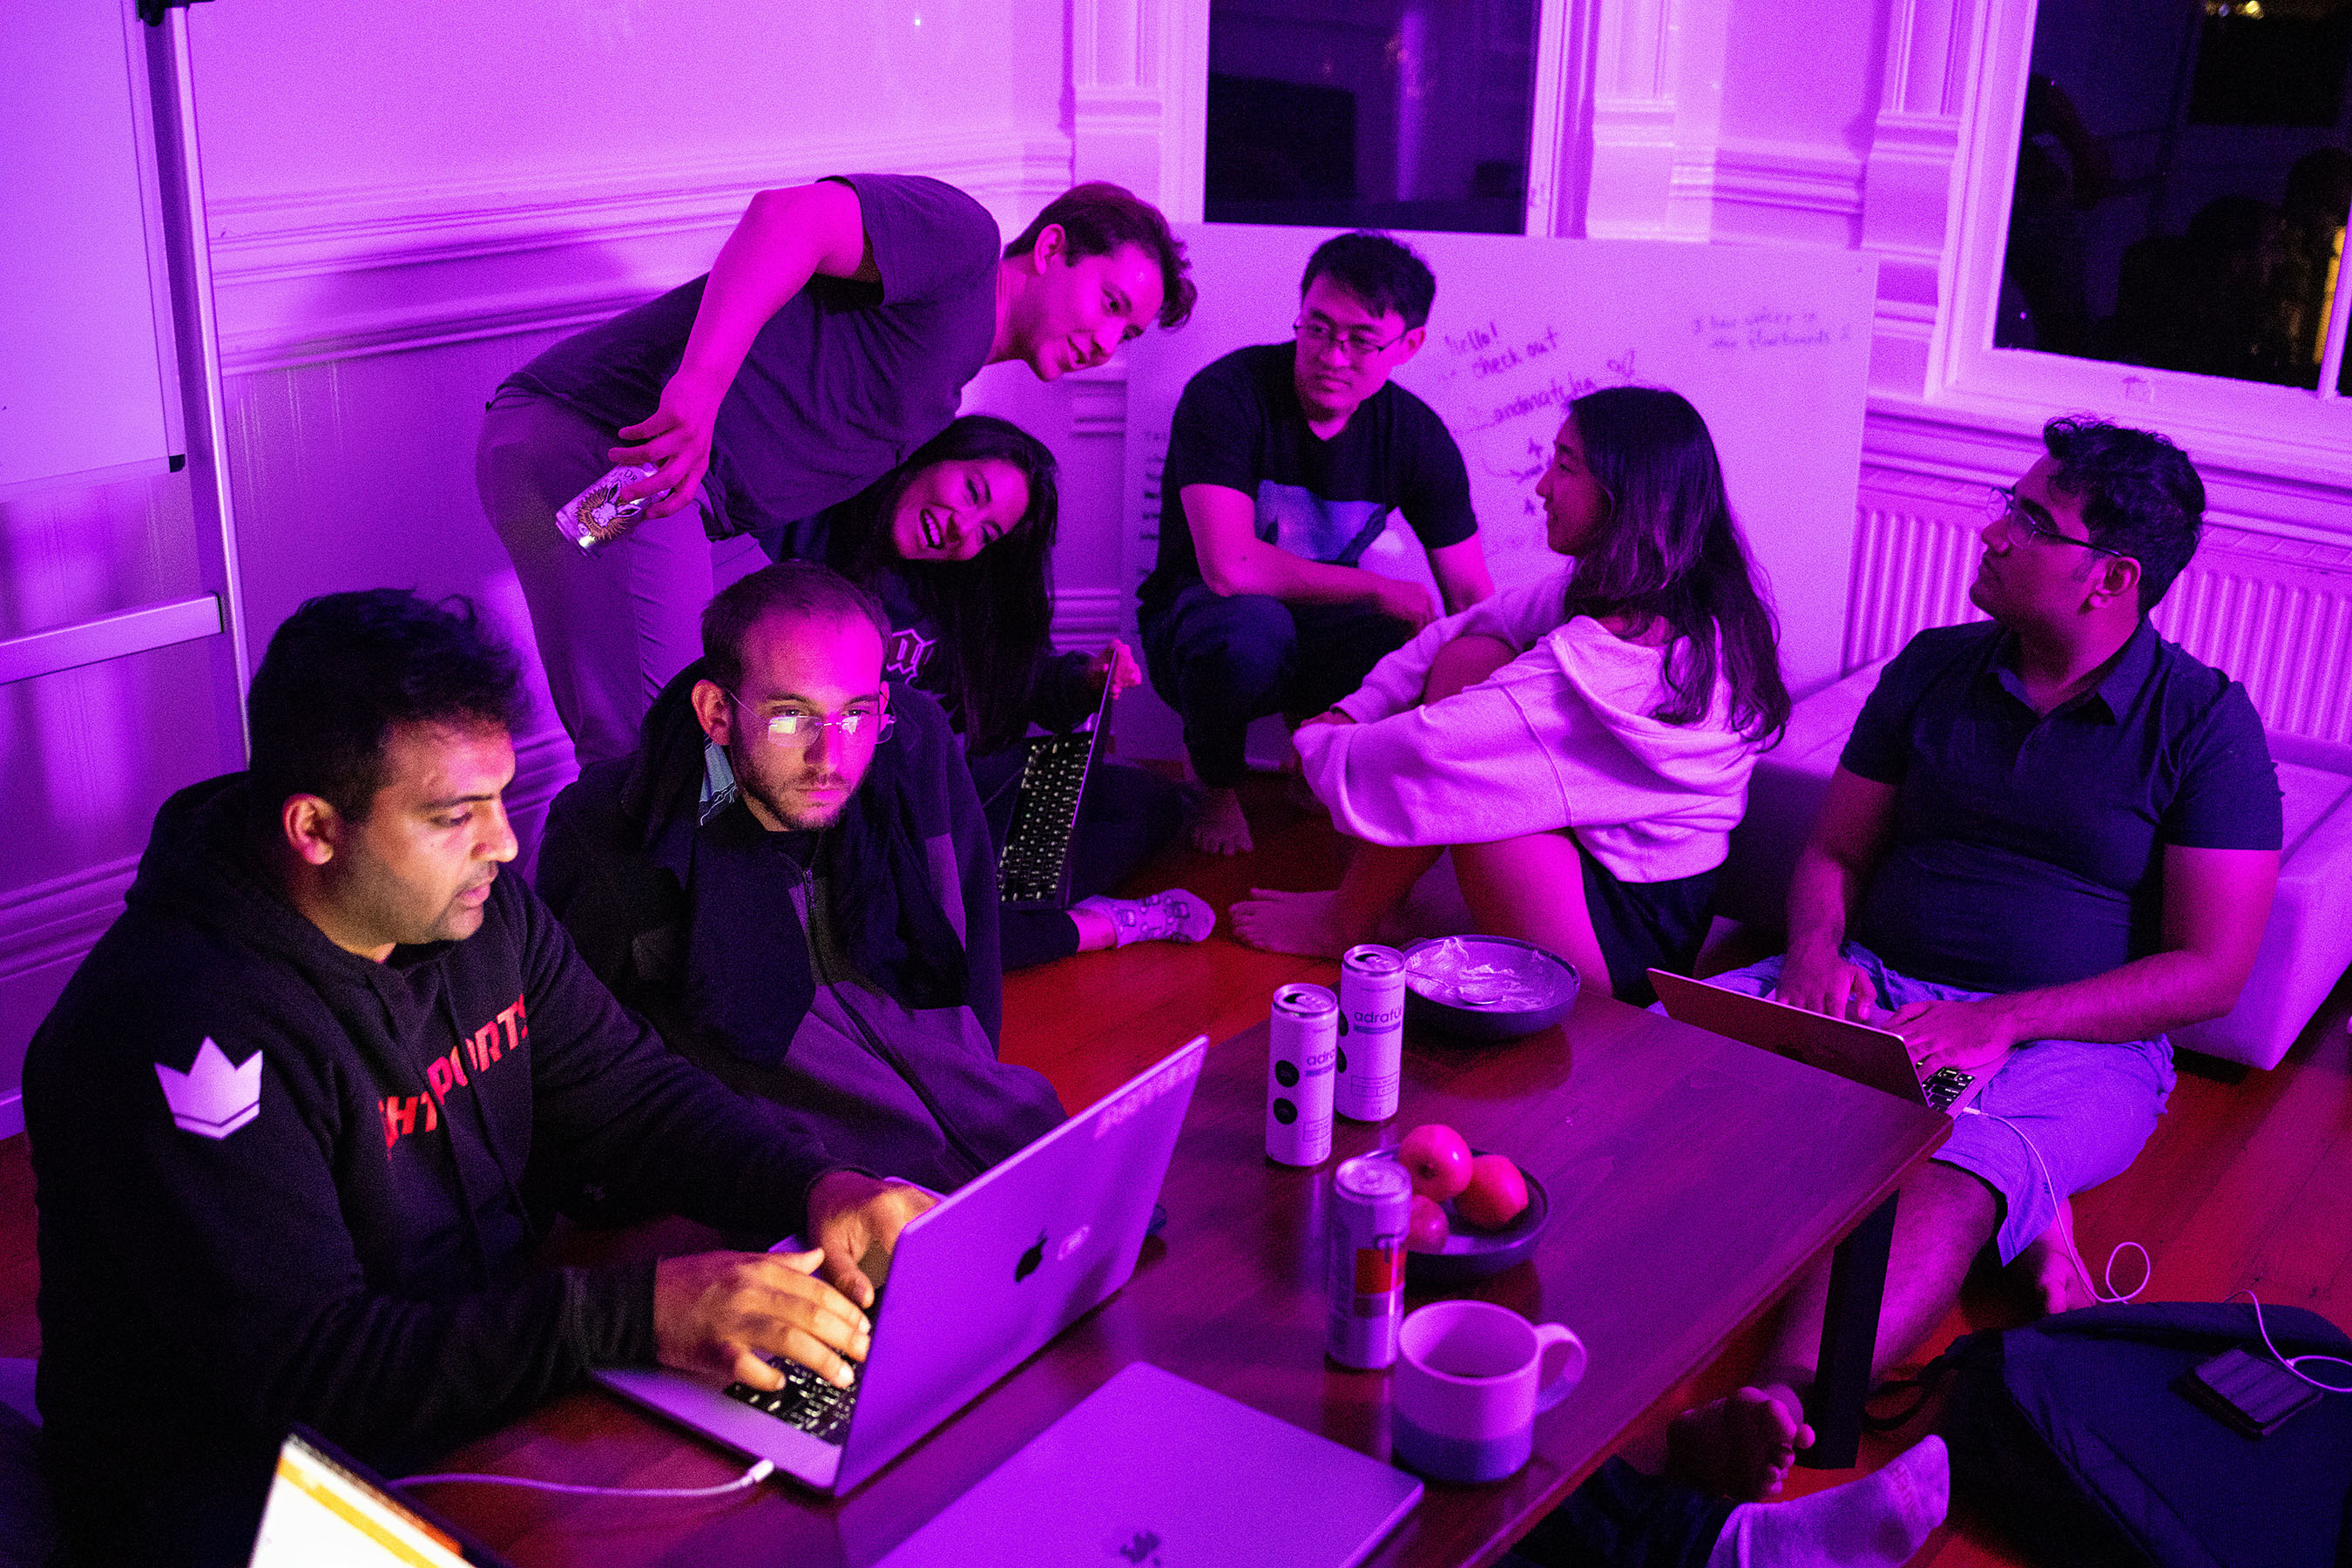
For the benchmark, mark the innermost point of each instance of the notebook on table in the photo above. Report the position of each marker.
(1857, 1052)
(1033, 871)
(1152, 1469)
(975, 1286)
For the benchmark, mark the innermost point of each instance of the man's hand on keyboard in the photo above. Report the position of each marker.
(1973, 1037)
(723, 1313)
(850, 1214)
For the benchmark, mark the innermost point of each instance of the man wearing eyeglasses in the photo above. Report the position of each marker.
(2051, 837)
(790, 878)
(1285, 461)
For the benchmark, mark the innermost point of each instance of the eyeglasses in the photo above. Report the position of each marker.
(794, 725)
(1354, 343)
(2032, 520)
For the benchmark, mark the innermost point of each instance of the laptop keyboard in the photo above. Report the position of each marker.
(1945, 1085)
(806, 1401)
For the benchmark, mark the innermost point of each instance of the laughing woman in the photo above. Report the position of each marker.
(1583, 745)
(957, 543)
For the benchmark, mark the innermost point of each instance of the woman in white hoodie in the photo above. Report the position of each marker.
(1582, 744)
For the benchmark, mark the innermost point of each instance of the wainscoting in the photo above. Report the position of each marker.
(2272, 610)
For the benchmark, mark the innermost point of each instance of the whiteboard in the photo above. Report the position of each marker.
(1770, 345)
(84, 331)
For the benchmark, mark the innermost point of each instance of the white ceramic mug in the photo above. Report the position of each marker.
(1468, 1381)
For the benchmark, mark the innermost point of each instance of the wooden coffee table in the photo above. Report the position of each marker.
(1691, 1179)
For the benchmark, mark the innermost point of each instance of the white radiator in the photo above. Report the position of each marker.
(2274, 613)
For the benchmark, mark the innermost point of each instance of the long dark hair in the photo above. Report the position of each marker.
(995, 610)
(1673, 551)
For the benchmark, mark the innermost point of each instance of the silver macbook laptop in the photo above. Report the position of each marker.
(1875, 1058)
(975, 1286)
(1150, 1469)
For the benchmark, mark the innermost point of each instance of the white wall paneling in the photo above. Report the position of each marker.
(2273, 612)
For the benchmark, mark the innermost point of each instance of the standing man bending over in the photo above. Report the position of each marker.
(792, 880)
(1286, 460)
(831, 338)
(281, 1115)
(2051, 838)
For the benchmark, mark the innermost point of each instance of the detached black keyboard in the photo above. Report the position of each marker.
(807, 1400)
(1034, 868)
(1945, 1085)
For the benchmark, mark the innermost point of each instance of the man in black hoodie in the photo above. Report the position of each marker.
(280, 1119)
(791, 878)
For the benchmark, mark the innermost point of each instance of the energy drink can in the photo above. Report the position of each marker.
(1371, 1197)
(1371, 1032)
(595, 516)
(1302, 1046)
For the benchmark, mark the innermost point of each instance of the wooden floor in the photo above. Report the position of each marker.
(2237, 1187)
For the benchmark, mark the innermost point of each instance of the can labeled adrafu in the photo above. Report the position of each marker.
(596, 516)
(1371, 1202)
(1302, 1040)
(1371, 1032)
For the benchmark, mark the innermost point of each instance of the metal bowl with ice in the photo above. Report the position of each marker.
(1486, 987)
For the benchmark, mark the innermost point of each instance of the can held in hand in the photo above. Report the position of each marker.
(1371, 1032)
(1371, 1199)
(1302, 1046)
(595, 516)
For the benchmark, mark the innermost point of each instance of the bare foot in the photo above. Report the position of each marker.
(2047, 1266)
(1741, 1445)
(1304, 923)
(1221, 829)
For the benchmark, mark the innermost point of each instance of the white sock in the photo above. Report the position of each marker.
(1878, 1521)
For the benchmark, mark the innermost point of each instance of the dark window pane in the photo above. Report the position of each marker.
(2182, 181)
(1378, 113)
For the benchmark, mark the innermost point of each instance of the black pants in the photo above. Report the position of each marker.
(1124, 818)
(1622, 1518)
(1222, 660)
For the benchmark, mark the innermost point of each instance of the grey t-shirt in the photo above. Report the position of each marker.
(841, 385)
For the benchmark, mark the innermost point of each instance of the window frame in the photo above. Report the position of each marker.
(2286, 432)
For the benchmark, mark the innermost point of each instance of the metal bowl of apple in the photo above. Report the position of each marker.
(1486, 987)
(1471, 1250)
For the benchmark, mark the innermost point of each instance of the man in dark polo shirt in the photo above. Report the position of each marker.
(833, 336)
(2051, 838)
(1285, 461)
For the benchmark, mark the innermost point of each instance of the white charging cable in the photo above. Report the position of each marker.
(2292, 1363)
(751, 1478)
(2112, 1296)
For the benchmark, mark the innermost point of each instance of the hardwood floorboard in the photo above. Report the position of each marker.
(2241, 1186)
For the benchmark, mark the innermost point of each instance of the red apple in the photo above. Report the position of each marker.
(1438, 1159)
(1495, 1194)
(1427, 1228)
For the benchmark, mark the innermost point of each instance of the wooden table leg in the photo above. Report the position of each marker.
(1849, 1335)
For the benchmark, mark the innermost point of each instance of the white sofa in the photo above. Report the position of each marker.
(2305, 950)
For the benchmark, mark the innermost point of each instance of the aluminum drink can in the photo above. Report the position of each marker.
(593, 518)
(1302, 1046)
(1371, 1032)
(1371, 1199)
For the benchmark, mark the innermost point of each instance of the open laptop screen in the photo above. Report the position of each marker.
(324, 1512)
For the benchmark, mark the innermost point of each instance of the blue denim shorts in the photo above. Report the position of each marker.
(2059, 1117)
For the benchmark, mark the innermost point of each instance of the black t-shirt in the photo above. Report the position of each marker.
(1239, 425)
(2029, 848)
(844, 382)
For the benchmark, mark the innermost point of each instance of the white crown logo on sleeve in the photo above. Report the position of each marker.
(213, 1099)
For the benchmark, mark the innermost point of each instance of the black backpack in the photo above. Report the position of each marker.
(2074, 1435)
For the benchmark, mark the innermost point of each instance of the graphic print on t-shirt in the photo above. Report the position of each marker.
(1315, 528)
(908, 651)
